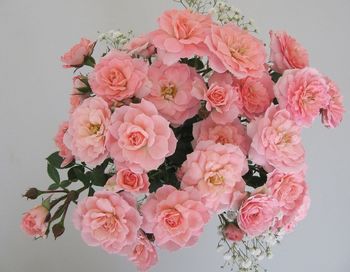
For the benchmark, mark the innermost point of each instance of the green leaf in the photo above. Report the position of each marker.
(56, 161)
(84, 90)
(98, 177)
(58, 212)
(65, 183)
(194, 62)
(53, 173)
(71, 172)
(81, 175)
(91, 191)
(53, 186)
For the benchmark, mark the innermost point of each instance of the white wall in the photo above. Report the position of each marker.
(34, 99)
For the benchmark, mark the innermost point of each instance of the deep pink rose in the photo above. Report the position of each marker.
(176, 218)
(108, 220)
(233, 233)
(140, 46)
(77, 97)
(76, 55)
(33, 222)
(64, 151)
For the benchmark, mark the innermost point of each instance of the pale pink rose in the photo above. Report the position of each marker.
(215, 171)
(276, 141)
(86, 135)
(171, 91)
(257, 214)
(181, 34)
(333, 113)
(139, 137)
(33, 222)
(77, 97)
(140, 46)
(286, 53)
(231, 133)
(76, 55)
(233, 233)
(117, 76)
(235, 50)
(143, 253)
(64, 151)
(303, 93)
(176, 218)
(109, 220)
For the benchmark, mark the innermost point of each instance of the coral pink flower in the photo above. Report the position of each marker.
(303, 93)
(76, 55)
(64, 151)
(86, 135)
(77, 97)
(176, 218)
(118, 76)
(276, 142)
(333, 113)
(181, 34)
(235, 50)
(215, 170)
(231, 133)
(140, 46)
(108, 220)
(33, 222)
(140, 137)
(286, 53)
(233, 233)
(171, 91)
(257, 214)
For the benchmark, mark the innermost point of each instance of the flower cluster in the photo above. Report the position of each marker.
(181, 124)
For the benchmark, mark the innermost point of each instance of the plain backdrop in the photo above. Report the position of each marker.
(34, 93)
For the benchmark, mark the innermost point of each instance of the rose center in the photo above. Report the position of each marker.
(136, 139)
(217, 97)
(168, 91)
(94, 128)
(216, 180)
(116, 80)
(173, 218)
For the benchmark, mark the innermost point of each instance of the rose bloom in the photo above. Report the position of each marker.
(140, 46)
(86, 135)
(143, 253)
(235, 50)
(215, 171)
(108, 220)
(231, 133)
(303, 93)
(33, 222)
(77, 97)
(171, 91)
(333, 113)
(233, 233)
(64, 151)
(181, 34)
(257, 214)
(76, 55)
(286, 53)
(139, 137)
(276, 141)
(117, 76)
(176, 218)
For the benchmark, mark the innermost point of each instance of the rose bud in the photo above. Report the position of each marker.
(233, 233)
(34, 221)
(32, 193)
(58, 229)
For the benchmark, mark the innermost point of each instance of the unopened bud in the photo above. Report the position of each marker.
(58, 229)
(32, 193)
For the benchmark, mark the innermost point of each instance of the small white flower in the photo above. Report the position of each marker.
(227, 256)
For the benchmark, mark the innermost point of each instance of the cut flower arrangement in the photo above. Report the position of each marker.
(190, 121)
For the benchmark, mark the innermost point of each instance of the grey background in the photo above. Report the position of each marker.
(34, 100)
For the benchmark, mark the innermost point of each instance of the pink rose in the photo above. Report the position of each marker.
(76, 55)
(140, 137)
(333, 113)
(303, 93)
(233, 233)
(86, 135)
(176, 218)
(171, 91)
(64, 151)
(257, 214)
(231, 133)
(276, 141)
(140, 46)
(181, 34)
(235, 50)
(117, 76)
(286, 53)
(215, 171)
(108, 220)
(34, 221)
(77, 97)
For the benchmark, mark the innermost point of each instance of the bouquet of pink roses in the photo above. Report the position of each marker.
(187, 122)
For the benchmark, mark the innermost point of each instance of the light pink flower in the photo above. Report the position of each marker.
(64, 151)
(139, 137)
(215, 171)
(86, 135)
(332, 114)
(140, 46)
(33, 222)
(233, 233)
(276, 141)
(117, 76)
(303, 93)
(235, 50)
(257, 214)
(76, 55)
(77, 97)
(286, 53)
(176, 218)
(108, 220)
(231, 133)
(171, 91)
(181, 34)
